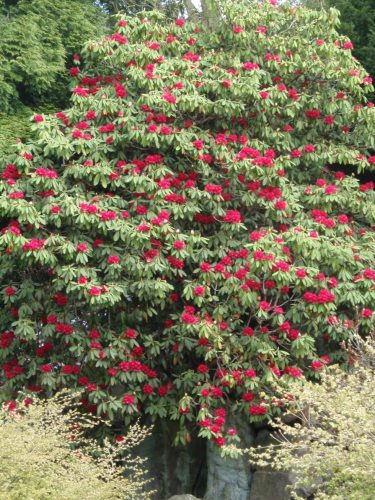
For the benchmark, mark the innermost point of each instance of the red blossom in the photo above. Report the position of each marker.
(257, 410)
(232, 217)
(128, 399)
(113, 259)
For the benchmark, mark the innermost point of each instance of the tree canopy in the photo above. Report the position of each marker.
(182, 239)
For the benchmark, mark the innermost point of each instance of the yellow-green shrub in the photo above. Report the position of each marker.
(330, 447)
(45, 454)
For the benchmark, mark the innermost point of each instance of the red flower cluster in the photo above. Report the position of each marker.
(322, 297)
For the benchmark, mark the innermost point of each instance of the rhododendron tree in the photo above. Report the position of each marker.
(182, 239)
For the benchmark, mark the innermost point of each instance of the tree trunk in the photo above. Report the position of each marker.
(191, 10)
(210, 13)
(173, 470)
(229, 478)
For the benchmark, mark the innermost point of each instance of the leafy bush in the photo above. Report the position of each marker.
(331, 448)
(183, 238)
(45, 454)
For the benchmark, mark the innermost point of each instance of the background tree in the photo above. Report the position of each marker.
(38, 38)
(180, 240)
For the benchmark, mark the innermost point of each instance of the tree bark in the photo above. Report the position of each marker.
(210, 13)
(192, 11)
(230, 478)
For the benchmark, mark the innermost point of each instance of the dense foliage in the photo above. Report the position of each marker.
(37, 39)
(46, 453)
(14, 127)
(182, 240)
(331, 449)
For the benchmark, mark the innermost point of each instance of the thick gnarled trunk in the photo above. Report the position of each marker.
(198, 468)
(198, 471)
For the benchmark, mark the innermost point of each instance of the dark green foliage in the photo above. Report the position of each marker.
(38, 38)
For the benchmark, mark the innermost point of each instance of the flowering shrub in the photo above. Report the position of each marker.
(330, 449)
(182, 237)
(45, 453)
